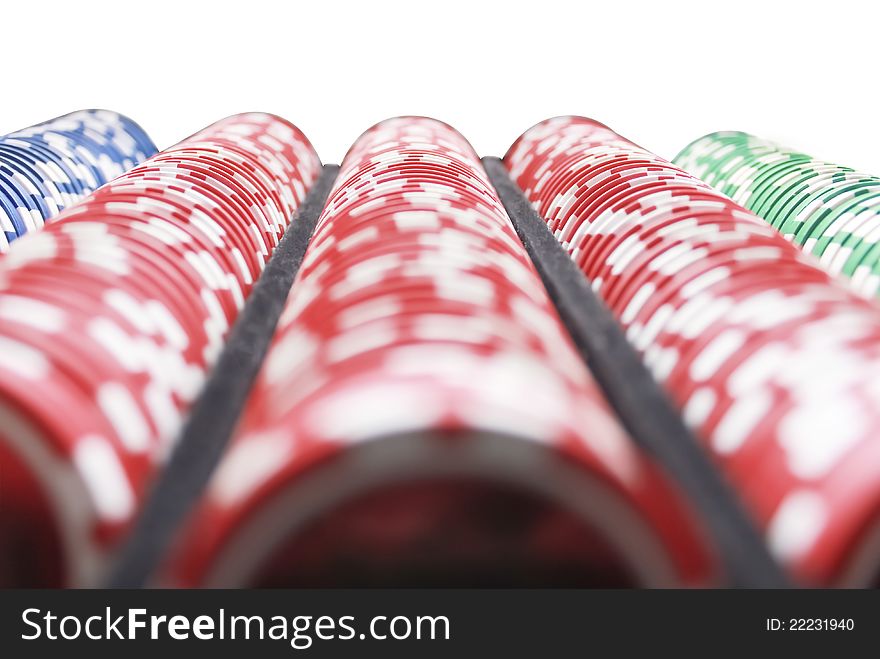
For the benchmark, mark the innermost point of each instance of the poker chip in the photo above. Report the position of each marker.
(48, 167)
(771, 361)
(832, 212)
(112, 315)
(422, 416)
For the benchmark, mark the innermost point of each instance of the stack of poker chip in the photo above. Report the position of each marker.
(422, 417)
(833, 212)
(772, 362)
(47, 167)
(110, 318)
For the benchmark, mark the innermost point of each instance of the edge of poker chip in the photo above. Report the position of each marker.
(637, 398)
(213, 418)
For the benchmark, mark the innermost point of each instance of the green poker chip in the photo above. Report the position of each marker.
(789, 193)
(866, 272)
(831, 211)
(858, 243)
(826, 199)
(743, 183)
(812, 192)
(837, 253)
(772, 180)
(861, 252)
(817, 231)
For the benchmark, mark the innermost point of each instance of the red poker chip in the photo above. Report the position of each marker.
(249, 188)
(611, 254)
(199, 214)
(232, 187)
(402, 197)
(148, 272)
(451, 167)
(664, 257)
(667, 277)
(112, 361)
(449, 295)
(405, 191)
(149, 267)
(846, 484)
(402, 221)
(748, 286)
(603, 183)
(605, 235)
(641, 198)
(465, 247)
(287, 186)
(581, 172)
(616, 197)
(847, 554)
(408, 189)
(573, 172)
(631, 225)
(289, 181)
(145, 290)
(242, 229)
(493, 292)
(695, 319)
(258, 186)
(253, 230)
(412, 179)
(28, 514)
(399, 252)
(163, 217)
(93, 285)
(75, 373)
(712, 280)
(582, 200)
(754, 341)
(61, 438)
(409, 260)
(455, 163)
(116, 397)
(195, 249)
(186, 262)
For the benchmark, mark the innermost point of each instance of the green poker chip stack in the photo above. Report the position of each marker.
(833, 212)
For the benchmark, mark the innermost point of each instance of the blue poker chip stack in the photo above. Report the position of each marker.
(47, 167)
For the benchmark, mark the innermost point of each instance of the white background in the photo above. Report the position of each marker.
(661, 73)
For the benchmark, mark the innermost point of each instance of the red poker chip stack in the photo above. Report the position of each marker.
(422, 417)
(109, 321)
(772, 363)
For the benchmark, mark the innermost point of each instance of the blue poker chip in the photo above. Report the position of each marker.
(58, 187)
(67, 177)
(101, 132)
(35, 191)
(98, 162)
(108, 162)
(125, 134)
(79, 152)
(6, 226)
(47, 167)
(13, 225)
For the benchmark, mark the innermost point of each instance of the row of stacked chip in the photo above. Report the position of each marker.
(832, 211)
(110, 318)
(422, 412)
(772, 362)
(422, 416)
(47, 167)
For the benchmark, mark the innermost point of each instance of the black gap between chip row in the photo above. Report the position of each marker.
(215, 414)
(640, 403)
